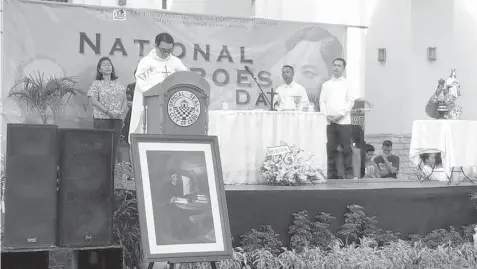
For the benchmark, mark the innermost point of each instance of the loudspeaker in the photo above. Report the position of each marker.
(86, 188)
(25, 260)
(31, 184)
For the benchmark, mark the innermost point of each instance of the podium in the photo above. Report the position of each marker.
(178, 105)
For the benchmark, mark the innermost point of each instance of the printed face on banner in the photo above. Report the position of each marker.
(311, 70)
(218, 48)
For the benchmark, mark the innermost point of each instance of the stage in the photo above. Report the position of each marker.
(401, 206)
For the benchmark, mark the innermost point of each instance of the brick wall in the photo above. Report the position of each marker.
(401, 144)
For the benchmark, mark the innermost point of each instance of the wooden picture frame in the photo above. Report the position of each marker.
(181, 198)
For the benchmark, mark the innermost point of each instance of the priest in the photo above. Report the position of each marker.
(151, 70)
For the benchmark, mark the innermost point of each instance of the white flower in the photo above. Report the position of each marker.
(290, 168)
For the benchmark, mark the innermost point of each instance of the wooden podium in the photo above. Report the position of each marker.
(178, 105)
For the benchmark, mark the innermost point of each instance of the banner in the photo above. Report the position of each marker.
(68, 40)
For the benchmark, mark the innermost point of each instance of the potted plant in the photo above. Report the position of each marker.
(126, 217)
(46, 96)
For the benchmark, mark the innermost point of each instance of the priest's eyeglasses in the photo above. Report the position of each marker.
(166, 51)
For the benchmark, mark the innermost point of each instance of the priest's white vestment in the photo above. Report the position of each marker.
(151, 70)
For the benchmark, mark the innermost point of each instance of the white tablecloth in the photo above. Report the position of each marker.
(245, 135)
(456, 140)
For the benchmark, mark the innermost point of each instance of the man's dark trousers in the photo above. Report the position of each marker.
(339, 134)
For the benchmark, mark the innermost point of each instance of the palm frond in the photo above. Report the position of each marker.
(46, 95)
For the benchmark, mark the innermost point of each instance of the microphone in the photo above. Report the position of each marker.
(250, 72)
(260, 87)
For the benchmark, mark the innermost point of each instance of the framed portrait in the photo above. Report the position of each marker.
(181, 198)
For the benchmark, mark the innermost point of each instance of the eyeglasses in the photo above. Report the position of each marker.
(166, 51)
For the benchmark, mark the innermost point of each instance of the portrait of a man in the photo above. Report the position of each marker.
(311, 52)
(181, 206)
(181, 198)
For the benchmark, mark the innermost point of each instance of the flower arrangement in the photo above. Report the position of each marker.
(290, 169)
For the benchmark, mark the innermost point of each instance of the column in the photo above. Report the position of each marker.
(269, 9)
(3, 126)
(149, 4)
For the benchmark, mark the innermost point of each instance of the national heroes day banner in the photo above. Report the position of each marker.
(68, 40)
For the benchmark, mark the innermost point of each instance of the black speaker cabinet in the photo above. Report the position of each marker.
(31, 186)
(25, 260)
(86, 188)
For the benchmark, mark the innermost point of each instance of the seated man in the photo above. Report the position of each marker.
(370, 167)
(176, 187)
(388, 163)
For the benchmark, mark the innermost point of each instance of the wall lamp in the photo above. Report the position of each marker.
(381, 55)
(432, 54)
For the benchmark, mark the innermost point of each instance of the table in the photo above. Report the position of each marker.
(244, 136)
(456, 140)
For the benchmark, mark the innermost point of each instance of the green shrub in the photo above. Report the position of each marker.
(126, 217)
(263, 238)
(322, 236)
(468, 232)
(301, 231)
(126, 227)
(365, 255)
(443, 237)
(358, 225)
(306, 233)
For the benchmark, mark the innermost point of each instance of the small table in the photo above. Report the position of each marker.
(245, 135)
(454, 139)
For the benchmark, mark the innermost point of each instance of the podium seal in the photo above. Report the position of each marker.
(183, 108)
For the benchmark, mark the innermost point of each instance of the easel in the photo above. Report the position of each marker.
(213, 265)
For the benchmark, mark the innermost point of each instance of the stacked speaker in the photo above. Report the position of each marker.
(59, 187)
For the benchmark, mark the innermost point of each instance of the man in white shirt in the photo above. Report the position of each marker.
(336, 102)
(151, 70)
(288, 92)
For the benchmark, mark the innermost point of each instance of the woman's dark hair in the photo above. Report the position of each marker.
(425, 157)
(99, 76)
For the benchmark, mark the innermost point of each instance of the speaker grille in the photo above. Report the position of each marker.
(86, 188)
(31, 185)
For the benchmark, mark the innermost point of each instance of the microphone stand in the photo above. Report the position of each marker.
(272, 96)
(270, 103)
